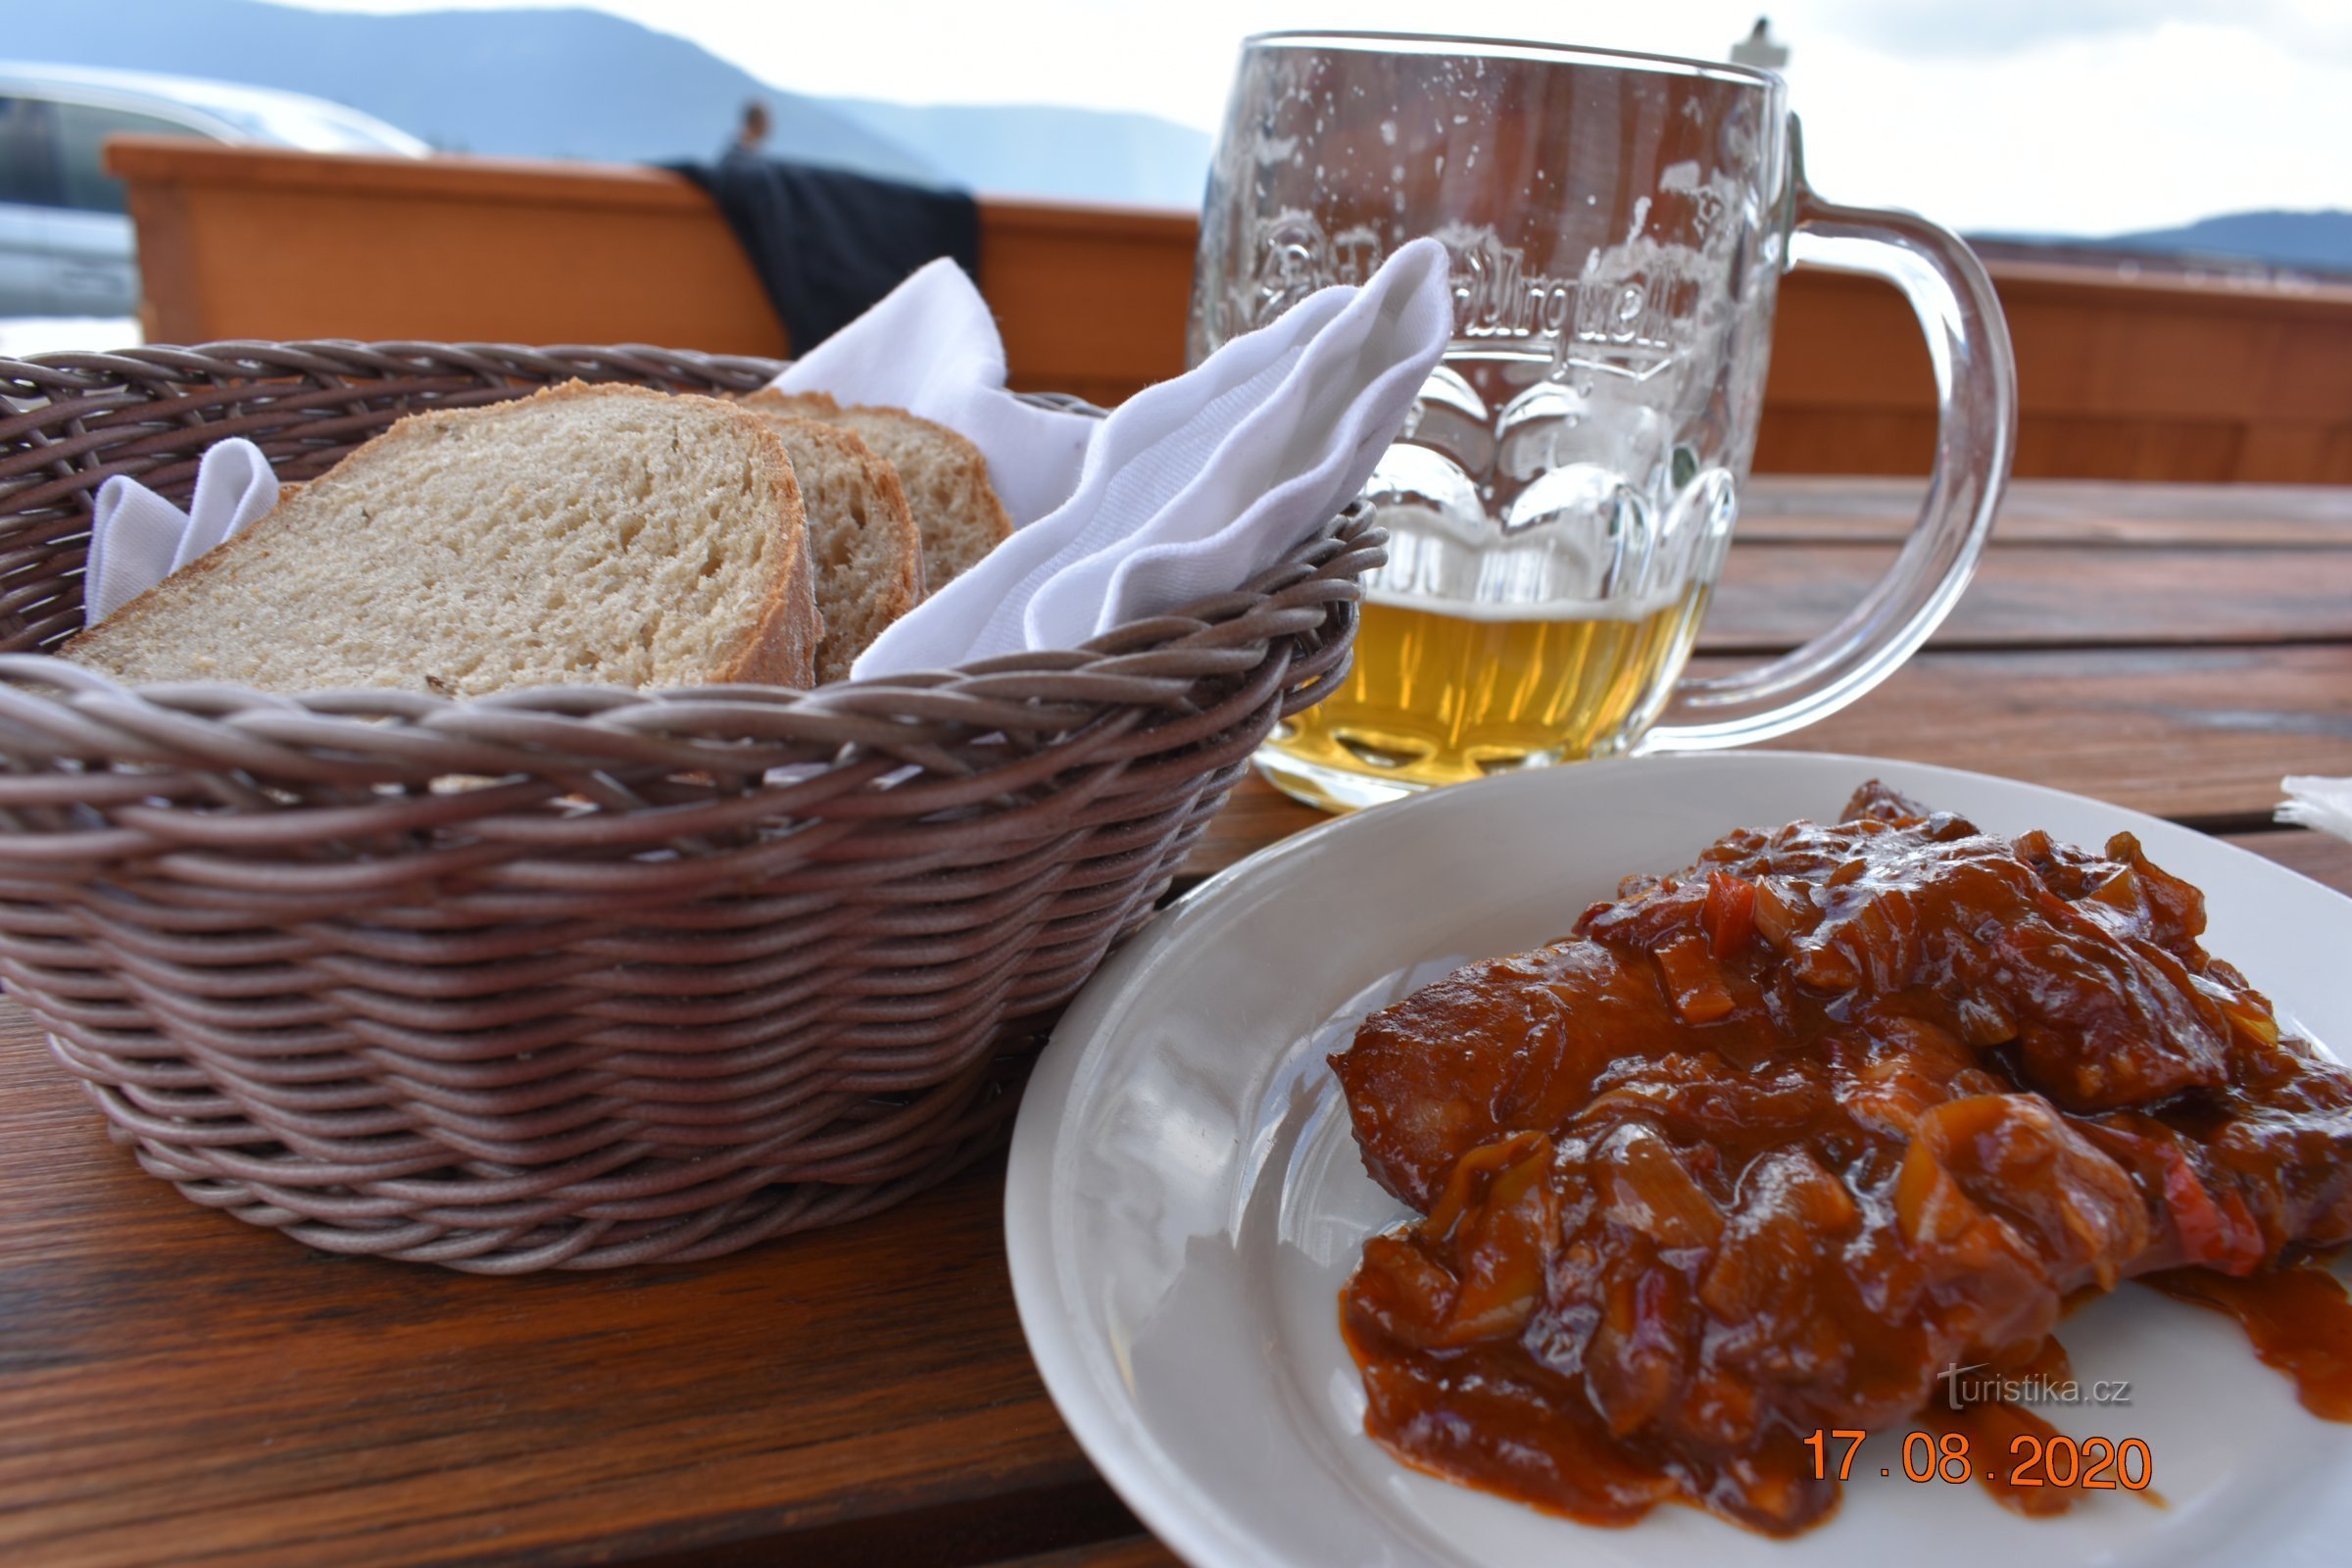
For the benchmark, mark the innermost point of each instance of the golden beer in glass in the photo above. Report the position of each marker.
(1560, 501)
(1443, 695)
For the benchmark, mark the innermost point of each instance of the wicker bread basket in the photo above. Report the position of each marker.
(577, 977)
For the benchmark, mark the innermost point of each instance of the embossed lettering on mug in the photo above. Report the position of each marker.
(1622, 316)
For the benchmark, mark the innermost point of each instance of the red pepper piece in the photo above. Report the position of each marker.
(1693, 983)
(1728, 916)
(2217, 1236)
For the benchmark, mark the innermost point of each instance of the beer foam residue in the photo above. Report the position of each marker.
(1624, 609)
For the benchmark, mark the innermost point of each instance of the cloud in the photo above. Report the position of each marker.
(2083, 117)
(1980, 30)
(2081, 136)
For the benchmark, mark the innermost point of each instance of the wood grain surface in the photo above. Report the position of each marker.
(1777, 508)
(2071, 565)
(176, 1387)
(1775, 595)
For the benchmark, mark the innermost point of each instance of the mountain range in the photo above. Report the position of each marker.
(2317, 242)
(583, 83)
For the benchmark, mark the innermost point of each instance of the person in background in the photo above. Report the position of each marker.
(829, 242)
(750, 134)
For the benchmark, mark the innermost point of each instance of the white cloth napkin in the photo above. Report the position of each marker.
(930, 347)
(2322, 803)
(137, 538)
(1194, 485)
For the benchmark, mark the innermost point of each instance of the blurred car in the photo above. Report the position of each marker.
(66, 246)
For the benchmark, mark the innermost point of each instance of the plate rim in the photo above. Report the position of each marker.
(1109, 1433)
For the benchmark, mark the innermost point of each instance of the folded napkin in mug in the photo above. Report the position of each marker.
(2322, 803)
(1194, 485)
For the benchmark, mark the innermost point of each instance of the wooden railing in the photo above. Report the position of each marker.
(2120, 377)
(2117, 378)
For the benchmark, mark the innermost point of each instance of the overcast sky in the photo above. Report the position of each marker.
(2085, 117)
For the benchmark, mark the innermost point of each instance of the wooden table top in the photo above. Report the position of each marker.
(179, 1388)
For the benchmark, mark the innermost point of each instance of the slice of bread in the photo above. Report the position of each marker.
(944, 475)
(604, 534)
(870, 559)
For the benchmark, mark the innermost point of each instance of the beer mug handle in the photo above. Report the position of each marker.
(1976, 431)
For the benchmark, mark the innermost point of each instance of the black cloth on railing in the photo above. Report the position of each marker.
(827, 243)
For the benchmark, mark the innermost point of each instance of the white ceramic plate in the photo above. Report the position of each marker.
(1185, 1200)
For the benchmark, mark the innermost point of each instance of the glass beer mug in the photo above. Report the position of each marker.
(1562, 496)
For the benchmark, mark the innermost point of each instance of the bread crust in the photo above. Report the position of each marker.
(908, 587)
(782, 648)
(966, 461)
(792, 405)
(778, 647)
(893, 588)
